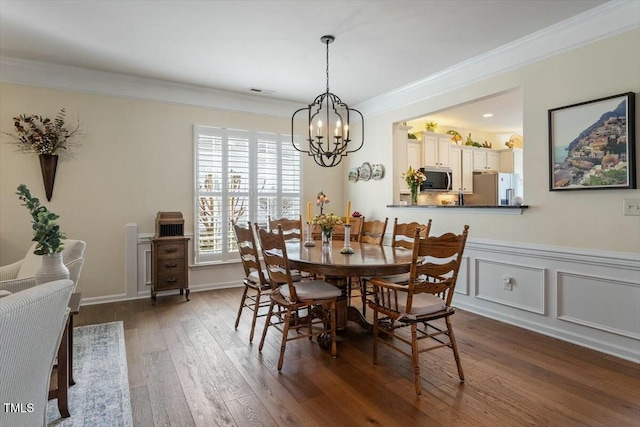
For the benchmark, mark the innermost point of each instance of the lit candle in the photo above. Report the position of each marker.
(346, 131)
(309, 212)
(349, 212)
(319, 127)
(311, 129)
(336, 132)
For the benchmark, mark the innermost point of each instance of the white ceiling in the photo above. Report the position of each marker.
(273, 45)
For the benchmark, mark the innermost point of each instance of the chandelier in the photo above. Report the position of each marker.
(328, 126)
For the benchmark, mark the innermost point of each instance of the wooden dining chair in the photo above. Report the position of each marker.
(338, 232)
(373, 231)
(402, 237)
(256, 285)
(286, 300)
(291, 227)
(423, 304)
(256, 282)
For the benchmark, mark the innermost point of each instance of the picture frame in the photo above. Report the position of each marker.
(592, 144)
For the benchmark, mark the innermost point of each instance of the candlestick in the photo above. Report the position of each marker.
(308, 212)
(309, 243)
(347, 249)
(349, 212)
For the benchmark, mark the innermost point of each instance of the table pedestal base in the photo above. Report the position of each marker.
(344, 311)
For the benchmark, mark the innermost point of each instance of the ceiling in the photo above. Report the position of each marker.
(273, 46)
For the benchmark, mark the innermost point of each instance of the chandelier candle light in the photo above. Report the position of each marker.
(327, 146)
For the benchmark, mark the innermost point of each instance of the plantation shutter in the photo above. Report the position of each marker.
(240, 176)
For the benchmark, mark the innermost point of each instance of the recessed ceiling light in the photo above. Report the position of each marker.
(487, 115)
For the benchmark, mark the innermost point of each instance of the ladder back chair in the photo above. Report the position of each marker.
(402, 237)
(373, 231)
(292, 228)
(425, 302)
(317, 297)
(256, 282)
(338, 231)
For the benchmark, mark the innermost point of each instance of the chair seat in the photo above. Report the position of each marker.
(394, 278)
(255, 277)
(312, 289)
(422, 304)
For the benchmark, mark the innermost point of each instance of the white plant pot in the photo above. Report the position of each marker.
(52, 268)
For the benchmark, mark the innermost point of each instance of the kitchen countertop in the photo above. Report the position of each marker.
(513, 210)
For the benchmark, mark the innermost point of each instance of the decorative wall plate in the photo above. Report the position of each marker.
(364, 172)
(353, 174)
(377, 172)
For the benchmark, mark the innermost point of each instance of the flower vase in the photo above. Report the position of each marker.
(414, 195)
(327, 237)
(48, 166)
(52, 268)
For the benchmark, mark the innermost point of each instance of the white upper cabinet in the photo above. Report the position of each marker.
(511, 161)
(485, 160)
(435, 149)
(462, 169)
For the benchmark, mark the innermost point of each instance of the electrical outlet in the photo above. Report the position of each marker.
(507, 283)
(631, 207)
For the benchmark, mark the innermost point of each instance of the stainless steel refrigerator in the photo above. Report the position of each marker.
(496, 188)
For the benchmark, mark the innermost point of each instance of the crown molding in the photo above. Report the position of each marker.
(607, 20)
(55, 76)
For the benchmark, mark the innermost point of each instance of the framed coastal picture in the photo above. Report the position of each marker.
(592, 144)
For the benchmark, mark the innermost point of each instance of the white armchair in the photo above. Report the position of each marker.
(31, 327)
(20, 275)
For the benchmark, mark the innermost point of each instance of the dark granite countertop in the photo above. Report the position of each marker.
(460, 207)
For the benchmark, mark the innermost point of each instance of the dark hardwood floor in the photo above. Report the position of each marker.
(188, 366)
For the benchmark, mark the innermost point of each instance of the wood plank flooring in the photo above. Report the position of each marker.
(188, 366)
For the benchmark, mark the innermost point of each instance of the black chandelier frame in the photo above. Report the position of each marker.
(328, 106)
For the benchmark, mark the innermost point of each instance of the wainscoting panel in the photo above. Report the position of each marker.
(462, 285)
(587, 297)
(577, 294)
(526, 284)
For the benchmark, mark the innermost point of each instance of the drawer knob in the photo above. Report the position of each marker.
(171, 250)
(171, 265)
(173, 280)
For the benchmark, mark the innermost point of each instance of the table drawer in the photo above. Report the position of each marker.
(169, 281)
(170, 266)
(170, 250)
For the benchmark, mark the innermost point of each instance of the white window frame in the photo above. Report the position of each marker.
(252, 194)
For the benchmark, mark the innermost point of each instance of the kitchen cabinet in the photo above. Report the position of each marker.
(511, 161)
(461, 160)
(414, 153)
(435, 150)
(485, 160)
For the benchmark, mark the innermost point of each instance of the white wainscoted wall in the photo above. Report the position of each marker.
(590, 298)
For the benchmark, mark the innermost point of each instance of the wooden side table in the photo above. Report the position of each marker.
(65, 360)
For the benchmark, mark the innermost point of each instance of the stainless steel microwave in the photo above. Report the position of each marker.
(437, 179)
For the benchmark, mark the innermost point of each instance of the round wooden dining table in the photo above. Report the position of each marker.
(337, 268)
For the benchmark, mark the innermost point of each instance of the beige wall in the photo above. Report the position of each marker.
(579, 219)
(135, 159)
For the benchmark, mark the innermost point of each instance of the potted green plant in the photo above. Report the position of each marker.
(48, 238)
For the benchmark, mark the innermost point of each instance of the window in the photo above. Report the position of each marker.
(241, 176)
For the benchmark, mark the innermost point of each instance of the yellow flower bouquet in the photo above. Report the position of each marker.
(413, 178)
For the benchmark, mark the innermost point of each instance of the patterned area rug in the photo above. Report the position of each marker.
(100, 396)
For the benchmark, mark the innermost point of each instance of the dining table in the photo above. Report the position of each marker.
(337, 268)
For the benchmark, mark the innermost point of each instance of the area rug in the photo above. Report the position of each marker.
(100, 396)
